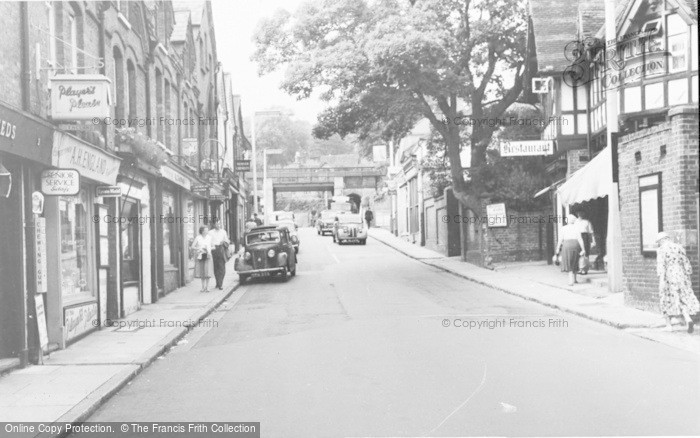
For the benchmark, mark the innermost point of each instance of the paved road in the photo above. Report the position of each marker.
(355, 345)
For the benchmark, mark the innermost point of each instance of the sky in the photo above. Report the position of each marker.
(235, 22)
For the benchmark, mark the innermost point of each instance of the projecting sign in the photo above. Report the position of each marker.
(60, 182)
(527, 148)
(79, 97)
(108, 191)
(242, 166)
(496, 215)
(40, 255)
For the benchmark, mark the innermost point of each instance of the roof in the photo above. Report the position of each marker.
(554, 26)
(196, 7)
(591, 16)
(182, 19)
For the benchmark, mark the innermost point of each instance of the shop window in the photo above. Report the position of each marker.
(169, 233)
(654, 95)
(678, 92)
(650, 209)
(75, 266)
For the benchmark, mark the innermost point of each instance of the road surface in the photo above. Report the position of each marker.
(367, 342)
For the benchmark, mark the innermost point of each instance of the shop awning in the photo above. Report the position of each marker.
(549, 188)
(593, 181)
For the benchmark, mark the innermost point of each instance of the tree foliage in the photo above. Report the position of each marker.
(376, 61)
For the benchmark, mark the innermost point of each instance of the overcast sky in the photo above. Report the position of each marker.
(235, 23)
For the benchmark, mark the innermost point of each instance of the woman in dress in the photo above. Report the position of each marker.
(570, 247)
(587, 235)
(203, 268)
(675, 288)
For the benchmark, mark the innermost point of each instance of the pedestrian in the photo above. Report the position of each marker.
(675, 288)
(368, 217)
(257, 220)
(201, 247)
(219, 243)
(571, 247)
(587, 235)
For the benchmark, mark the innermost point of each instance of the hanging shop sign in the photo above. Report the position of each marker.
(242, 165)
(80, 97)
(496, 215)
(175, 176)
(24, 136)
(108, 191)
(60, 182)
(528, 148)
(78, 320)
(40, 254)
(72, 153)
(217, 194)
(200, 189)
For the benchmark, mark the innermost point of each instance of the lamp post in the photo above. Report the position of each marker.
(256, 207)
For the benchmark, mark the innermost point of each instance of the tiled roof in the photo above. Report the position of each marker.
(554, 26)
(182, 18)
(592, 15)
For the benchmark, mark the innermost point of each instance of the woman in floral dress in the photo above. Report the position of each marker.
(675, 287)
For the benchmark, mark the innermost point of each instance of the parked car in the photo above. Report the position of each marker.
(267, 250)
(349, 228)
(293, 233)
(324, 223)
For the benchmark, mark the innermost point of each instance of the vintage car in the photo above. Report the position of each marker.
(293, 233)
(267, 250)
(324, 223)
(284, 216)
(349, 228)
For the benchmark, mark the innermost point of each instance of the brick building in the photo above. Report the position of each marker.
(150, 71)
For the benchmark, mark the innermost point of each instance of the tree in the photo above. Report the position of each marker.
(283, 132)
(435, 56)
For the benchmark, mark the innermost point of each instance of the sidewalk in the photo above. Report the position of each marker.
(532, 285)
(73, 383)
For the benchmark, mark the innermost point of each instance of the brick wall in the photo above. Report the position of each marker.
(524, 239)
(575, 160)
(679, 188)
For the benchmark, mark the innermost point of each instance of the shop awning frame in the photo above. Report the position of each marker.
(592, 181)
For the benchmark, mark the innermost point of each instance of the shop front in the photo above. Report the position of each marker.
(25, 151)
(81, 231)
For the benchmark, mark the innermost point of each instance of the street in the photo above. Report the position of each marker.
(368, 342)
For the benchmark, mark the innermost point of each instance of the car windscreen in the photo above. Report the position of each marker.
(263, 237)
(349, 219)
(328, 215)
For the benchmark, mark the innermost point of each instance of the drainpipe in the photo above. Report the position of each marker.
(614, 237)
(26, 74)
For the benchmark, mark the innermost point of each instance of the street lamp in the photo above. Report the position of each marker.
(256, 208)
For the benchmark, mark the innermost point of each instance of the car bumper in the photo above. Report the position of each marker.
(346, 236)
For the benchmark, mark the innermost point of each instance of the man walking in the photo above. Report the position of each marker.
(219, 243)
(257, 220)
(368, 217)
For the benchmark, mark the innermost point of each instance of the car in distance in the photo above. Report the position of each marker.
(293, 233)
(324, 223)
(281, 216)
(267, 250)
(349, 228)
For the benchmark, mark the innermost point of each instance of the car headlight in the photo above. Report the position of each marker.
(295, 239)
(271, 253)
(248, 256)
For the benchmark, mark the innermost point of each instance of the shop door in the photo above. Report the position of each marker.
(11, 318)
(129, 233)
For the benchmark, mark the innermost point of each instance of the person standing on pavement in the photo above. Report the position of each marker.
(257, 220)
(675, 288)
(586, 229)
(368, 217)
(220, 244)
(571, 247)
(201, 248)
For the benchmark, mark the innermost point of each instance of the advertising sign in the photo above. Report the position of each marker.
(242, 165)
(496, 215)
(528, 148)
(41, 321)
(60, 182)
(79, 97)
(200, 189)
(24, 136)
(72, 153)
(176, 176)
(108, 191)
(78, 320)
(40, 255)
